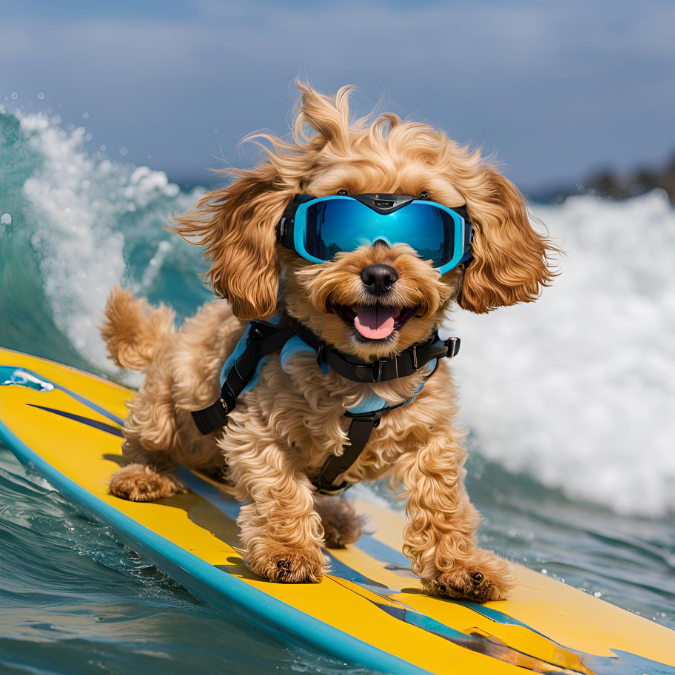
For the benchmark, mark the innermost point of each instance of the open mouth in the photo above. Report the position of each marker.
(374, 322)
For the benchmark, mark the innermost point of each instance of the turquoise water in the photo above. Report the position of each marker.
(569, 402)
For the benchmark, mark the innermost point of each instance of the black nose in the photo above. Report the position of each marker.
(379, 279)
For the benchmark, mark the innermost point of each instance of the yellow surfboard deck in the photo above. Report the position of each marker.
(369, 611)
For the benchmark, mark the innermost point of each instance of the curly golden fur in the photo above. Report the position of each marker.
(282, 431)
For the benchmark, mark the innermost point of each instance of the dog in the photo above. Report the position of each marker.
(284, 429)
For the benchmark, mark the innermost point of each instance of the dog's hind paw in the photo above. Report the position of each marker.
(141, 483)
(487, 577)
(341, 524)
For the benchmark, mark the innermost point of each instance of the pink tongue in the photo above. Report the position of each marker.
(374, 322)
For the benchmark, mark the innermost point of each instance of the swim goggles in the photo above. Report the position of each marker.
(319, 228)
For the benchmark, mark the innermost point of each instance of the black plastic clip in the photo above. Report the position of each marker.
(259, 330)
(365, 373)
(373, 416)
(377, 373)
(453, 345)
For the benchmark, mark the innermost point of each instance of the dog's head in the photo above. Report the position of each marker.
(378, 299)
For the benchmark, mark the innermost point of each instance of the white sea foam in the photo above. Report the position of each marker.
(78, 204)
(579, 388)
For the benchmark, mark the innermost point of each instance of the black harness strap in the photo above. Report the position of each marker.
(262, 340)
(361, 427)
(265, 338)
(383, 370)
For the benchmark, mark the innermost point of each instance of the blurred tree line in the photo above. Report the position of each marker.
(614, 185)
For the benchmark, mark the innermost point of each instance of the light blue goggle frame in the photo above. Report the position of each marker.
(292, 228)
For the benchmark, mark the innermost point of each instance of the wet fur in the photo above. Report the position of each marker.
(282, 431)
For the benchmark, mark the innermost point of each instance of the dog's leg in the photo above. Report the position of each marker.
(440, 535)
(341, 524)
(280, 531)
(149, 438)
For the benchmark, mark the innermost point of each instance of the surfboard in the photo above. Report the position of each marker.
(368, 611)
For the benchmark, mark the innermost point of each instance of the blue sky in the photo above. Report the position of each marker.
(558, 89)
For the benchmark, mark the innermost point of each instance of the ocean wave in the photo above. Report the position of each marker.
(74, 600)
(577, 389)
(89, 222)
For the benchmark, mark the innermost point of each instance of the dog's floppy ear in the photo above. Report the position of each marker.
(238, 227)
(511, 261)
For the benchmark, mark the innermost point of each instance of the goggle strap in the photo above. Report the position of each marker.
(286, 226)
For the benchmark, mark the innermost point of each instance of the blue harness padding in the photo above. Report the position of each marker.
(296, 346)
(238, 351)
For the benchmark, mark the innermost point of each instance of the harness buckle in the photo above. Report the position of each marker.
(377, 374)
(453, 345)
(414, 357)
(260, 329)
(365, 373)
(373, 416)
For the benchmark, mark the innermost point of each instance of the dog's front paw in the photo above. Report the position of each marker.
(483, 578)
(140, 483)
(287, 565)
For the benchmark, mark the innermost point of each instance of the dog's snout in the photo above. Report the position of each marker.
(379, 278)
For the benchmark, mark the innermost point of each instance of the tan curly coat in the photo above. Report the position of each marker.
(282, 431)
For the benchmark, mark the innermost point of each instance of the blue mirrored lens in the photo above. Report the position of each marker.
(338, 225)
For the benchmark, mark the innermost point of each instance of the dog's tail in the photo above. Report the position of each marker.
(133, 330)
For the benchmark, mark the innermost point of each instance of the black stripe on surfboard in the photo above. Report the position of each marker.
(101, 426)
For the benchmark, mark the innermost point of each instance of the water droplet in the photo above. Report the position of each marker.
(215, 131)
(149, 156)
(544, 571)
(597, 594)
(41, 95)
(88, 137)
(123, 151)
(14, 96)
(85, 115)
(103, 148)
(6, 219)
